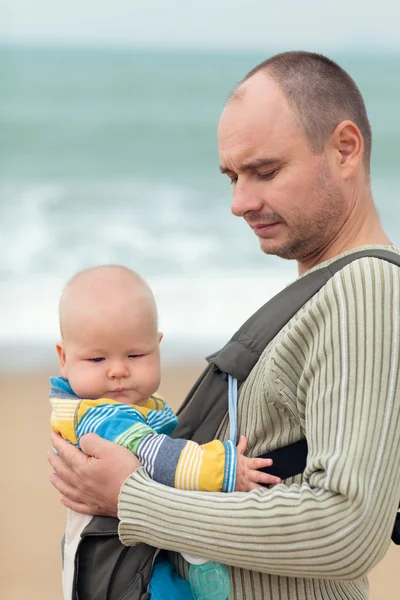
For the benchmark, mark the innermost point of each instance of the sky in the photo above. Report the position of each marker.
(225, 24)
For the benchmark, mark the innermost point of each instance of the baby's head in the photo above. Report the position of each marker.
(110, 338)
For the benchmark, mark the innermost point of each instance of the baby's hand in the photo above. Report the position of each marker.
(247, 476)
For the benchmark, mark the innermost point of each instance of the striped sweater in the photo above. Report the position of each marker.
(144, 430)
(332, 375)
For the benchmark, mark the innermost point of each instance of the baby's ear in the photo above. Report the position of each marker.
(61, 357)
(160, 336)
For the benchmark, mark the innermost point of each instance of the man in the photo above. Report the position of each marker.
(295, 141)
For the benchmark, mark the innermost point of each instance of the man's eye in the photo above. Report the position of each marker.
(96, 359)
(233, 180)
(266, 176)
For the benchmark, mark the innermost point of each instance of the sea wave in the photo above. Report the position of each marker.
(204, 266)
(197, 314)
(207, 278)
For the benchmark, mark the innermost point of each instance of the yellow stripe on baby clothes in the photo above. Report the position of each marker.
(194, 461)
(188, 467)
(86, 405)
(155, 402)
(212, 470)
(67, 413)
(201, 467)
(62, 418)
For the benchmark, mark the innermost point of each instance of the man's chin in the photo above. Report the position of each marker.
(273, 248)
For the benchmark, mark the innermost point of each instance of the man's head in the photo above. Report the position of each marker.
(110, 339)
(295, 140)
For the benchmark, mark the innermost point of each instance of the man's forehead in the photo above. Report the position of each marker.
(258, 104)
(257, 121)
(252, 139)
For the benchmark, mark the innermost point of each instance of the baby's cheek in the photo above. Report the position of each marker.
(152, 379)
(85, 384)
(79, 386)
(153, 366)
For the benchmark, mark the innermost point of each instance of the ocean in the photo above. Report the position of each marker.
(110, 156)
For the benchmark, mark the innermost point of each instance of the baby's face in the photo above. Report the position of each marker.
(116, 357)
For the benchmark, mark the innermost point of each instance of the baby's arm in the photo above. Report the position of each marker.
(213, 467)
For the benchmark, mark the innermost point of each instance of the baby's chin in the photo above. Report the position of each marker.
(126, 397)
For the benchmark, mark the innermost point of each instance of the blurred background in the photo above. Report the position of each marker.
(108, 154)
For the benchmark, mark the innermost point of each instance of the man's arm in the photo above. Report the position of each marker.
(337, 522)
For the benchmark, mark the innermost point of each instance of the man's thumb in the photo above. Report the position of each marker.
(93, 445)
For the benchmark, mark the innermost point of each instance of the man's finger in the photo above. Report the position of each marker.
(71, 455)
(93, 445)
(65, 488)
(76, 506)
(61, 468)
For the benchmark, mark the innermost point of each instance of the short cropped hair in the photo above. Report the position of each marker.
(321, 93)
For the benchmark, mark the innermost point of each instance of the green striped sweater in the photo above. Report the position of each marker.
(332, 374)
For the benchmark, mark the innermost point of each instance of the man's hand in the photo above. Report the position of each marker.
(90, 481)
(247, 475)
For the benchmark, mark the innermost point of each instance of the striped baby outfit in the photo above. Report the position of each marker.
(145, 430)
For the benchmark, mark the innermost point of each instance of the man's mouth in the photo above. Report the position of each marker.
(264, 228)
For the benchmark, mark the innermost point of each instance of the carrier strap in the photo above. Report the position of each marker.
(206, 405)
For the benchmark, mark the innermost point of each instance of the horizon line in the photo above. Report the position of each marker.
(195, 48)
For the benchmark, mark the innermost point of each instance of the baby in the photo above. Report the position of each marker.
(110, 365)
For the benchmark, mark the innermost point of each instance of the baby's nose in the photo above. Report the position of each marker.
(118, 370)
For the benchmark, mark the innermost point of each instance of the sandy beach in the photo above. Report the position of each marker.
(32, 518)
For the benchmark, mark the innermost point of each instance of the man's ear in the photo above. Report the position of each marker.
(160, 336)
(61, 357)
(349, 145)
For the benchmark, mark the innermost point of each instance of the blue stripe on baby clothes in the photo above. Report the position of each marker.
(60, 388)
(162, 421)
(108, 421)
(230, 467)
(150, 448)
(164, 457)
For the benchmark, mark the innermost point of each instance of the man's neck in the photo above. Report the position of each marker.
(364, 233)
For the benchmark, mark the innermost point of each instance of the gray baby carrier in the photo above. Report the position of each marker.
(105, 569)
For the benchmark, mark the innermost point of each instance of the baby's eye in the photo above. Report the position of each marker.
(96, 359)
(134, 355)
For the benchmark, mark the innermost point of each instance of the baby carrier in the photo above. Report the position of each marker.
(105, 569)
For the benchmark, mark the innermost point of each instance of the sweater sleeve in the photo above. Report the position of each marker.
(336, 524)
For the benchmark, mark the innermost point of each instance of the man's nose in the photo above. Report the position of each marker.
(118, 370)
(245, 199)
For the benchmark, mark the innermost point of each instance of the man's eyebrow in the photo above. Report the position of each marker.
(257, 163)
